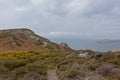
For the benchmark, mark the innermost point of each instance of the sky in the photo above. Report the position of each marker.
(96, 19)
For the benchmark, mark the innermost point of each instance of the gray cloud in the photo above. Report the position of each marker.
(62, 18)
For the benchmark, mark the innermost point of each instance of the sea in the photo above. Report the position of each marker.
(91, 44)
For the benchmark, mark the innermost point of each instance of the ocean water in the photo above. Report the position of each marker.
(83, 44)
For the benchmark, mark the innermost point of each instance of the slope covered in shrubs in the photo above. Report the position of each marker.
(33, 65)
(14, 40)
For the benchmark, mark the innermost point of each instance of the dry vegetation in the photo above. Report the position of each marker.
(33, 65)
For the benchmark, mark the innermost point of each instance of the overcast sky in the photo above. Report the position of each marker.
(63, 18)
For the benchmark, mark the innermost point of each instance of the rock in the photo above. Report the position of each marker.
(63, 44)
(83, 55)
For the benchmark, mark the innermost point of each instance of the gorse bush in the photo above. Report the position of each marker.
(17, 59)
(33, 65)
(21, 65)
(25, 57)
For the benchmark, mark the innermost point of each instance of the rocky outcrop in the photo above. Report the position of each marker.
(63, 44)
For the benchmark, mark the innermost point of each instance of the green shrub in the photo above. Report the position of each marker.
(114, 77)
(91, 65)
(10, 64)
(115, 61)
(50, 46)
(32, 76)
(3, 69)
(40, 69)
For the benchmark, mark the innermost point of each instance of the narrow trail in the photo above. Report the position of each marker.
(52, 75)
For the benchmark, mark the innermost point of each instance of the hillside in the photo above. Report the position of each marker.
(34, 65)
(27, 56)
(13, 40)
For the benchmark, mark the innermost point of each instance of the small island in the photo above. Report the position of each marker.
(107, 41)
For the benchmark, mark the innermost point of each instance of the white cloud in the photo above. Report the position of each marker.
(44, 5)
(42, 2)
(37, 2)
(63, 33)
(78, 6)
(92, 18)
(21, 9)
(116, 10)
(60, 34)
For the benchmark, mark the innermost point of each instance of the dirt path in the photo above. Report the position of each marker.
(52, 75)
